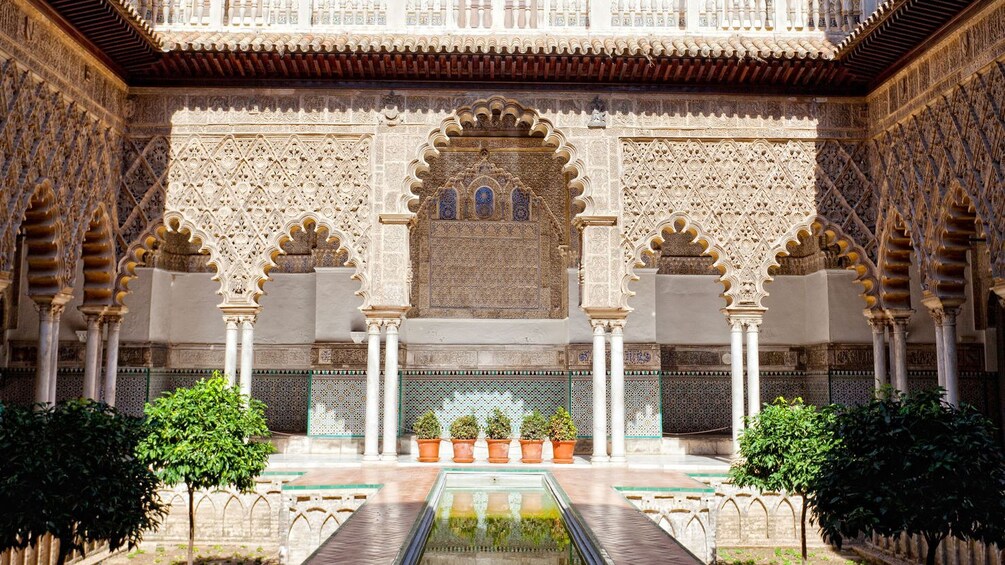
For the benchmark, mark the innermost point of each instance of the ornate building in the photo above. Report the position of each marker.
(659, 215)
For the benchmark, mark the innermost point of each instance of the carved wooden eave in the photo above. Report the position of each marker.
(111, 28)
(898, 29)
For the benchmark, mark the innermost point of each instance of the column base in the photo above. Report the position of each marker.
(618, 460)
(599, 460)
(371, 458)
(389, 458)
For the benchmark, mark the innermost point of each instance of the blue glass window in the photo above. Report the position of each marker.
(521, 206)
(484, 202)
(448, 204)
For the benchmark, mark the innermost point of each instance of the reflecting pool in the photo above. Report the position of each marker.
(498, 518)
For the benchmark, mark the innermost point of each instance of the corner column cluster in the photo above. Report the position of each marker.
(744, 321)
(373, 449)
(617, 378)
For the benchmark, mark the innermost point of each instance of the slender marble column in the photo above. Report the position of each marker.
(57, 314)
(230, 349)
(950, 360)
(617, 392)
(92, 352)
(736, 364)
(599, 394)
(890, 353)
(900, 353)
(390, 452)
(753, 368)
(878, 325)
(940, 345)
(112, 361)
(247, 353)
(372, 426)
(44, 360)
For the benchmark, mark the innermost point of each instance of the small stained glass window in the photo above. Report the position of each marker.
(484, 202)
(448, 204)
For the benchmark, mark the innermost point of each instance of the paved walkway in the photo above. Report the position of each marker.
(378, 529)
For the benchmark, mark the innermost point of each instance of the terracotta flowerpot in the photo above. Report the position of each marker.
(563, 450)
(463, 504)
(429, 450)
(498, 504)
(530, 449)
(464, 450)
(531, 503)
(498, 450)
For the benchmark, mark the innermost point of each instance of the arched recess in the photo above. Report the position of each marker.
(677, 223)
(312, 221)
(895, 251)
(42, 228)
(865, 269)
(493, 109)
(98, 258)
(136, 255)
(955, 229)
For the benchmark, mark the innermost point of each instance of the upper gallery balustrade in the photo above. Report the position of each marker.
(694, 17)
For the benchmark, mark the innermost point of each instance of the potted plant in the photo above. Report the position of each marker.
(533, 430)
(463, 433)
(562, 432)
(498, 430)
(427, 433)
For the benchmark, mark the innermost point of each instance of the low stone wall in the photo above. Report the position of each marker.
(281, 519)
(725, 516)
(46, 552)
(951, 551)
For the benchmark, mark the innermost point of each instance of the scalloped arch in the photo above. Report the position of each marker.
(315, 221)
(136, 252)
(98, 256)
(579, 183)
(957, 223)
(42, 227)
(679, 222)
(864, 267)
(894, 270)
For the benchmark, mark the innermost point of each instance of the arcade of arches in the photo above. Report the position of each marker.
(355, 257)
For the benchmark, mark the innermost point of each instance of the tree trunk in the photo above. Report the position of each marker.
(191, 523)
(933, 548)
(802, 529)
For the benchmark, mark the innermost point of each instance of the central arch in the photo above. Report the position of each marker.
(498, 108)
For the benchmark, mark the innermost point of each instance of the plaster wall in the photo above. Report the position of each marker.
(675, 309)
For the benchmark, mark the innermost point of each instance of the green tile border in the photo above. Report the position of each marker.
(349, 486)
(691, 490)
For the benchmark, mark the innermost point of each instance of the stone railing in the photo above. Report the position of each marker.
(835, 17)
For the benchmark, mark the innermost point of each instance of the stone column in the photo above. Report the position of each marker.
(618, 391)
(940, 346)
(878, 324)
(753, 367)
(57, 314)
(736, 366)
(43, 365)
(390, 452)
(92, 355)
(372, 431)
(950, 361)
(112, 361)
(230, 349)
(890, 352)
(247, 352)
(899, 369)
(599, 393)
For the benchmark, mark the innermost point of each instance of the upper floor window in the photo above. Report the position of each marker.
(484, 202)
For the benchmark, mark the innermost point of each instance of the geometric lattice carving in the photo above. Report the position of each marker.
(46, 138)
(233, 193)
(746, 200)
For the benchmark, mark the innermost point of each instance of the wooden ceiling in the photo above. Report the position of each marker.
(883, 43)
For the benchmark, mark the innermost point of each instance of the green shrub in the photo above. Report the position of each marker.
(465, 427)
(498, 426)
(561, 427)
(534, 426)
(427, 426)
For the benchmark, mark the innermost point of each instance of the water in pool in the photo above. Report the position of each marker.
(492, 519)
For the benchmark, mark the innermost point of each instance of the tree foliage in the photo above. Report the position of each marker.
(208, 437)
(912, 464)
(783, 449)
(71, 471)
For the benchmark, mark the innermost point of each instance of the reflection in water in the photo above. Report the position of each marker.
(496, 524)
